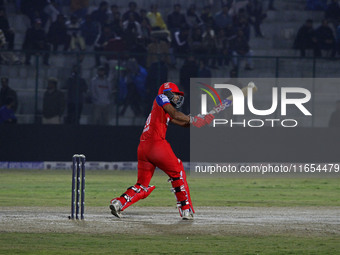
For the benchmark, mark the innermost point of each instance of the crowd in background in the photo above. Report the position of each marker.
(225, 33)
(325, 37)
(142, 44)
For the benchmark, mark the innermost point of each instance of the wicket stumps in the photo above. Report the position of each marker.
(78, 166)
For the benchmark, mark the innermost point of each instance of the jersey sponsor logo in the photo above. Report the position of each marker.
(162, 100)
(147, 123)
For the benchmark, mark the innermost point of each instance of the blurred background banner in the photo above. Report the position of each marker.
(83, 73)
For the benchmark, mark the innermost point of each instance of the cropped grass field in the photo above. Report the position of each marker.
(51, 188)
(52, 243)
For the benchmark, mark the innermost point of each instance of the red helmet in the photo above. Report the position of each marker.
(169, 86)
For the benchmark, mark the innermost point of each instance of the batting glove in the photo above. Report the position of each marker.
(197, 121)
(208, 118)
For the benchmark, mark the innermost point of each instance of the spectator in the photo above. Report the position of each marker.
(180, 42)
(57, 34)
(325, 38)
(114, 10)
(223, 19)
(73, 30)
(7, 113)
(207, 17)
(144, 16)
(118, 53)
(222, 45)
(117, 46)
(34, 10)
(5, 56)
(155, 18)
(241, 21)
(176, 19)
(8, 32)
(100, 14)
(51, 11)
(2, 43)
(209, 44)
(158, 51)
(193, 20)
(256, 15)
(203, 71)
(90, 30)
(101, 91)
(132, 28)
(334, 120)
(244, 26)
(139, 52)
(145, 25)
(76, 88)
(7, 92)
(132, 84)
(306, 39)
(53, 103)
(79, 8)
(196, 42)
(36, 40)
(132, 10)
(117, 25)
(241, 13)
(102, 41)
(240, 49)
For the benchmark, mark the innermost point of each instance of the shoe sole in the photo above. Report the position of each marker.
(114, 211)
(188, 218)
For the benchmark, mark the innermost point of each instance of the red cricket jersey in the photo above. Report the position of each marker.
(158, 120)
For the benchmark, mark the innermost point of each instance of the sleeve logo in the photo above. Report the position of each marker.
(164, 98)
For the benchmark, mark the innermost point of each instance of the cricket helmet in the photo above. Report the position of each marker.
(169, 89)
(169, 86)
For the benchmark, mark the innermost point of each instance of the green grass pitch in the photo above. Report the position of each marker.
(51, 188)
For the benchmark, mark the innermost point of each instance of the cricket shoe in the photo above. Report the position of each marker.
(116, 207)
(187, 215)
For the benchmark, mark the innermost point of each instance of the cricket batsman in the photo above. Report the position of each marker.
(154, 151)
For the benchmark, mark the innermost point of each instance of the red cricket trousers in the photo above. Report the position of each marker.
(156, 153)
